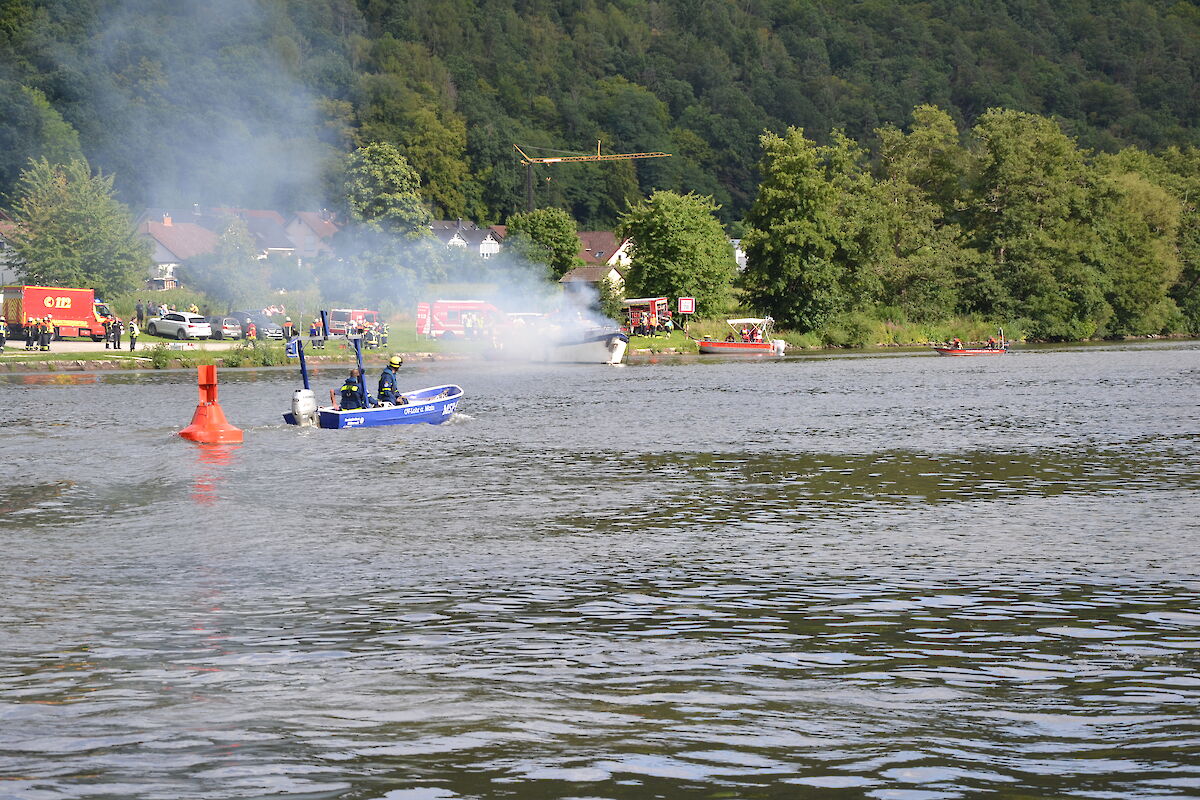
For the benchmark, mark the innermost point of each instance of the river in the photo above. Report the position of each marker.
(893, 576)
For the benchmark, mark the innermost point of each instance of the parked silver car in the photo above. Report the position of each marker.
(225, 327)
(180, 325)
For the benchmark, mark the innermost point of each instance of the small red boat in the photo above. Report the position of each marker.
(970, 351)
(756, 340)
(994, 347)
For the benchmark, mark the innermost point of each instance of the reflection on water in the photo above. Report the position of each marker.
(891, 577)
(212, 461)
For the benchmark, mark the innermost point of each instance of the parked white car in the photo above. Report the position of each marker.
(180, 325)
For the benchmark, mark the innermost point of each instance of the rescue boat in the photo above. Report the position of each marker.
(433, 404)
(995, 347)
(758, 341)
(971, 351)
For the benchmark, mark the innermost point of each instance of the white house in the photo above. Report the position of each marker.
(485, 242)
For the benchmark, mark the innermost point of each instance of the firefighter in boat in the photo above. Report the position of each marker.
(352, 393)
(388, 391)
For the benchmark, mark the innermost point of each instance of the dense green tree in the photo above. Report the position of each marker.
(31, 129)
(383, 191)
(71, 231)
(232, 274)
(929, 157)
(546, 236)
(679, 249)
(1028, 212)
(790, 241)
(609, 299)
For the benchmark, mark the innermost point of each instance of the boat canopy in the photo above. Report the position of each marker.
(749, 321)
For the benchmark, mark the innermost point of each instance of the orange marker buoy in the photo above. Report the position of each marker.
(208, 423)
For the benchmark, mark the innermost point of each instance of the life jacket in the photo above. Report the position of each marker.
(351, 397)
(387, 384)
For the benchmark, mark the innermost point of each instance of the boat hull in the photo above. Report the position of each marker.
(433, 405)
(970, 351)
(737, 348)
(598, 347)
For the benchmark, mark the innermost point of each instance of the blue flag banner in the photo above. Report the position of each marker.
(293, 348)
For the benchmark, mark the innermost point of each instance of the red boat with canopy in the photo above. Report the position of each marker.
(749, 336)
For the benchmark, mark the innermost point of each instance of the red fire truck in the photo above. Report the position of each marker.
(344, 321)
(452, 318)
(72, 312)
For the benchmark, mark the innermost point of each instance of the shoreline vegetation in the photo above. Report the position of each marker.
(160, 357)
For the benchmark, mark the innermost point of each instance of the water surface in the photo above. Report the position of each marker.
(899, 577)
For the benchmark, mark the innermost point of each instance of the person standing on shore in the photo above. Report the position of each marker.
(139, 312)
(116, 333)
(133, 333)
(46, 333)
(3, 334)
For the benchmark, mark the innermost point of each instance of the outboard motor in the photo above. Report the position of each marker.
(778, 345)
(304, 407)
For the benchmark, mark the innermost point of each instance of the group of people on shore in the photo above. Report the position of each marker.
(114, 328)
(143, 310)
(643, 323)
(38, 333)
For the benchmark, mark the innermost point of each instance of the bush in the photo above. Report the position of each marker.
(160, 356)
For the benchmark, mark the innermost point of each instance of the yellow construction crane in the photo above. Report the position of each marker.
(529, 161)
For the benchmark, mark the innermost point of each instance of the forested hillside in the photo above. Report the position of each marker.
(247, 103)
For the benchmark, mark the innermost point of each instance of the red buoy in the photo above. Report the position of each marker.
(208, 423)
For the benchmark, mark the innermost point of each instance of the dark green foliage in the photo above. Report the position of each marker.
(791, 236)
(679, 250)
(232, 275)
(250, 104)
(70, 231)
(546, 236)
(383, 191)
(1015, 223)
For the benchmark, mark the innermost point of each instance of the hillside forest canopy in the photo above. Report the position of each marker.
(1016, 159)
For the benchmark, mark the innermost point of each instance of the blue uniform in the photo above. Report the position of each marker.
(388, 393)
(352, 394)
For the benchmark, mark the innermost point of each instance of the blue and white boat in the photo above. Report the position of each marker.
(434, 404)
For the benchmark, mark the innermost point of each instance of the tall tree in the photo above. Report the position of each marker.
(679, 248)
(1028, 213)
(383, 192)
(790, 235)
(71, 231)
(232, 274)
(547, 236)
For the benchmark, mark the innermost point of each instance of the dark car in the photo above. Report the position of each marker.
(225, 327)
(264, 327)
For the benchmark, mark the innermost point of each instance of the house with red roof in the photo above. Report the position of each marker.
(173, 243)
(311, 232)
(604, 256)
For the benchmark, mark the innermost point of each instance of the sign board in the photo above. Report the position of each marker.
(686, 305)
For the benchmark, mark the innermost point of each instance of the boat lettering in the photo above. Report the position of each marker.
(352, 421)
(417, 409)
